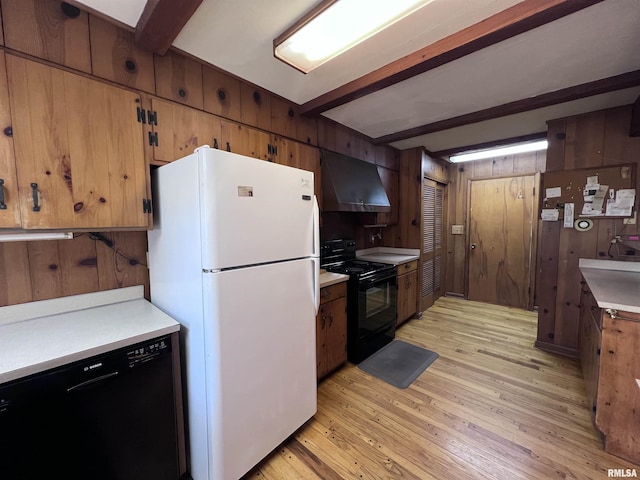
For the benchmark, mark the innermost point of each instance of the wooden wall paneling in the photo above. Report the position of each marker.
(607, 229)
(179, 78)
(343, 140)
(541, 161)
(45, 269)
(10, 216)
(410, 182)
(619, 147)
(482, 168)
(221, 93)
(547, 280)
(51, 30)
(327, 134)
(390, 181)
(115, 270)
(502, 166)
(78, 265)
(114, 56)
(526, 163)
(456, 265)
(306, 128)
(434, 168)
(283, 117)
(1, 28)
(572, 246)
(584, 141)
(15, 281)
(556, 136)
(386, 157)
(255, 106)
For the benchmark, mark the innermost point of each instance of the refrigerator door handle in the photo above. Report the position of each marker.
(316, 228)
(316, 283)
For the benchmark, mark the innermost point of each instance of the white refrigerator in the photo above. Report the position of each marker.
(233, 257)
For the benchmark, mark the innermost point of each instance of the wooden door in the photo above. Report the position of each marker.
(80, 161)
(321, 341)
(431, 258)
(179, 130)
(9, 198)
(501, 241)
(238, 138)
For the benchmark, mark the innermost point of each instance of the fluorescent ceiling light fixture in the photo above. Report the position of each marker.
(334, 26)
(499, 152)
(25, 237)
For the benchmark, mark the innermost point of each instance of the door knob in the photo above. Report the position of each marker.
(473, 246)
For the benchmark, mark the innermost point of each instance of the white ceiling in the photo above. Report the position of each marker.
(600, 41)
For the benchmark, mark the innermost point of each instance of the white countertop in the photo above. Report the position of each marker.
(328, 278)
(393, 256)
(614, 284)
(37, 336)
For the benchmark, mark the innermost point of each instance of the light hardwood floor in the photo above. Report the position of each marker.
(491, 406)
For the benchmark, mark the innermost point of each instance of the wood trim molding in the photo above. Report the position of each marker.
(513, 21)
(160, 23)
(604, 85)
(494, 143)
(559, 349)
(634, 131)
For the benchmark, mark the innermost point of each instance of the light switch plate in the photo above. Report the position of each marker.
(457, 229)
(630, 220)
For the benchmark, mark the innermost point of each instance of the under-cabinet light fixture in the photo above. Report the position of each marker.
(334, 26)
(25, 237)
(499, 152)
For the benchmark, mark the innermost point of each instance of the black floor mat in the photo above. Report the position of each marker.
(398, 363)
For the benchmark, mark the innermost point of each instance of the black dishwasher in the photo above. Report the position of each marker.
(109, 417)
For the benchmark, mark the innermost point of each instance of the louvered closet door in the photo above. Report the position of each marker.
(432, 242)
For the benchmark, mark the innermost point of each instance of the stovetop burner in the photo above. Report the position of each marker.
(339, 256)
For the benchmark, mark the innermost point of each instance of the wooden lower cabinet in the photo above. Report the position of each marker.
(407, 291)
(608, 344)
(331, 329)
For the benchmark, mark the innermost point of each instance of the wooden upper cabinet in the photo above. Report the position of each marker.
(9, 199)
(79, 158)
(178, 130)
(54, 31)
(244, 140)
(179, 78)
(116, 58)
(221, 93)
(283, 117)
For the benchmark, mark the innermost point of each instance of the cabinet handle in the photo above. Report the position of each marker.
(324, 321)
(228, 147)
(330, 319)
(34, 192)
(3, 206)
(215, 143)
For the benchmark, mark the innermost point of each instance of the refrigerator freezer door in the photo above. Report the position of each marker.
(253, 211)
(260, 364)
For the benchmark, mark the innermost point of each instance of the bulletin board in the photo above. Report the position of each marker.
(599, 192)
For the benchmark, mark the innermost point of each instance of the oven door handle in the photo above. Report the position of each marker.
(373, 281)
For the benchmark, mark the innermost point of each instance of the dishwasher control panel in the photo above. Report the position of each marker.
(145, 352)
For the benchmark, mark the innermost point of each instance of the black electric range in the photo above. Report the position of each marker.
(371, 298)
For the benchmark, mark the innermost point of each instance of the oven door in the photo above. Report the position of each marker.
(376, 315)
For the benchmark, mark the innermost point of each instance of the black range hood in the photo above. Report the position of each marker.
(351, 185)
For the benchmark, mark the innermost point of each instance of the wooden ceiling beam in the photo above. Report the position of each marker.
(576, 92)
(520, 18)
(161, 21)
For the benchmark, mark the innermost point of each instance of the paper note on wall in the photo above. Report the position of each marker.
(549, 215)
(568, 215)
(554, 192)
(623, 203)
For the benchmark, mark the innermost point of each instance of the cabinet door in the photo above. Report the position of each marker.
(180, 130)
(9, 199)
(321, 341)
(407, 295)
(79, 158)
(244, 140)
(336, 312)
